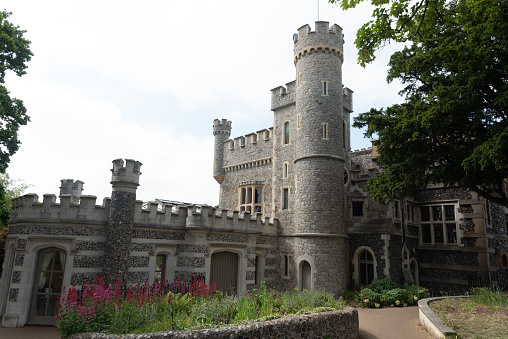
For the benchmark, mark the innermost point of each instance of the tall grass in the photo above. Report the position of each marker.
(489, 297)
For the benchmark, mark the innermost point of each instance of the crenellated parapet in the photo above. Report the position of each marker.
(324, 39)
(202, 217)
(221, 133)
(125, 175)
(283, 96)
(27, 208)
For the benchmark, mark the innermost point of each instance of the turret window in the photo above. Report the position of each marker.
(299, 121)
(325, 131)
(325, 85)
(285, 198)
(286, 132)
(285, 170)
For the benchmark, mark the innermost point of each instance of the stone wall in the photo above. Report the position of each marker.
(334, 324)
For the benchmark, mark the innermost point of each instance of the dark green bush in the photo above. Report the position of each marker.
(380, 285)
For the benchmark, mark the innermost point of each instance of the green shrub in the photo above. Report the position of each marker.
(381, 285)
(396, 297)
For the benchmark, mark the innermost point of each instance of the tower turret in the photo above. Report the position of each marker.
(124, 181)
(320, 228)
(72, 188)
(221, 132)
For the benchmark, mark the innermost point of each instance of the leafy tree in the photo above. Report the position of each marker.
(452, 127)
(14, 54)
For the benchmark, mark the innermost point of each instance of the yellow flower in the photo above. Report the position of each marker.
(377, 305)
(366, 301)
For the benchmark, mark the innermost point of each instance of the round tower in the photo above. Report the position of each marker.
(221, 132)
(124, 181)
(321, 240)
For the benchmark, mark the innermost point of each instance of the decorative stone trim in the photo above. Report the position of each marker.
(184, 248)
(227, 237)
(13, 294)
(16, 277)
(333, 324)
(319, 49)
(19, 259)
(248, 164)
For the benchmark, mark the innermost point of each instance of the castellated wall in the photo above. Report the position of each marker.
(248, 159)
(187, 235)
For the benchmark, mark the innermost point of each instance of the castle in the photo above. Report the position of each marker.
(293, 212)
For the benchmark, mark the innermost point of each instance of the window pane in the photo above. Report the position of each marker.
(438, 234)
(426, 238)
(451, 233)
(285, 194)
(257, 208)
(242, 199)
(437, 214)
(258, 195)
(249, 195)
(449, 212)
(357, 209)
(425, 214)
(286, 133)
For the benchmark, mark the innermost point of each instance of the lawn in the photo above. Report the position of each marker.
(483, 315)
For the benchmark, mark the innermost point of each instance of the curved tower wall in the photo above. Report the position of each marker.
(221, 133)
(319, 225)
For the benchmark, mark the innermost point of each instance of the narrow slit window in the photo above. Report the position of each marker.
(285, 170)
(285, 198)
(325, 87)
(299, 121)
(325, 130)
(286, 132)
(286, 265)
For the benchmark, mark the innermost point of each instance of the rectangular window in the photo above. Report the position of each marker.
(440, 225)
(426, 234)
(325, 130)
(286, 133)
(160, 267)
(449, 212)
(285, 198)
(438, 234)
(251, 199)
(357, 208)
(285, 170)
(451, 233)
(424, 213)
(299, 121)
(325, 87)
(286, 265)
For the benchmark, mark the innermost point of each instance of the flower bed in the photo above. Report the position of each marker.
(110, 310)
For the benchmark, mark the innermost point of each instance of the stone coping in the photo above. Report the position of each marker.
(432, 322)
(333, 324)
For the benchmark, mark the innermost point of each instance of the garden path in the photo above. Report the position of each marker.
(391, 323)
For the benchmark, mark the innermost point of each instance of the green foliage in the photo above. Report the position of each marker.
(106, 309)
(453, 126)
(489, 297)
(14, 55)
(380, 285)
(396, 21)
(385, 292)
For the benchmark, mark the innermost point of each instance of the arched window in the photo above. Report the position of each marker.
(160, 267)
(306, 276)
(48, 285)
(286, 132)
(504, 258)
(366, 265)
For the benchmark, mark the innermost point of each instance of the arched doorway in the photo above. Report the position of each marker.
(48, 285)
(414, 271)
(366, 264)
(224, 271)
(306, 276)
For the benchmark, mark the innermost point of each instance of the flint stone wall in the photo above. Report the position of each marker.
(334, 324)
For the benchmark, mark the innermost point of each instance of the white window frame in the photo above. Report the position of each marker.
(435, 222)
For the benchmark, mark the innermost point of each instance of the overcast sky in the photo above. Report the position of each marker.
(145, 80)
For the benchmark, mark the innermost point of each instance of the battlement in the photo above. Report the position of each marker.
(72, 188)
(283, 96)
(27, 208)
(125, 178)
(324, 39)
(223, 126)
(251, 138)
(201, 217)
(347, 101)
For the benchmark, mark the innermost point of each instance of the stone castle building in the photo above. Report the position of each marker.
(293, 212)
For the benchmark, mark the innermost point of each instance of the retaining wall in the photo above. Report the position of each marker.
(334, 324)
